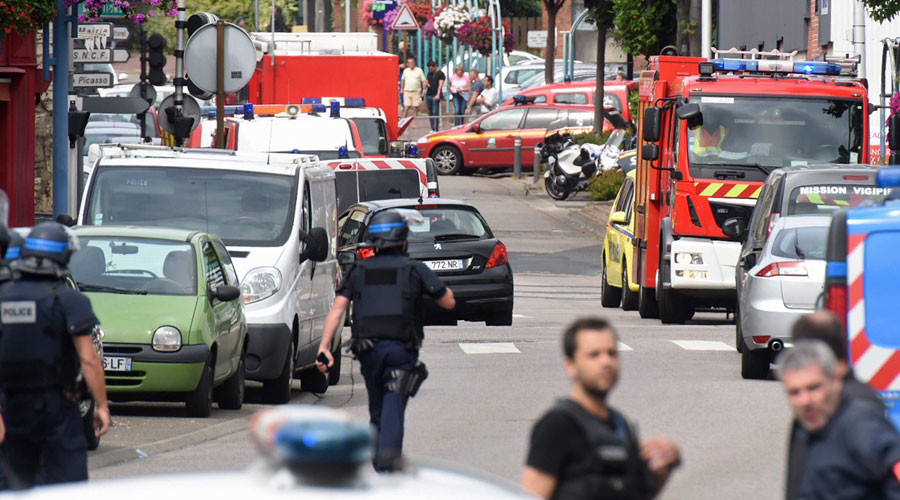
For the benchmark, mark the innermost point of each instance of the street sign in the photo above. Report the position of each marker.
(94, 30)
(109, 10)
(120, 33)
(190, 109)
(537, 39)
(99, 55)
(382, 7)
(405, 20)
(127, 105)
(92, 79)
(200, 57)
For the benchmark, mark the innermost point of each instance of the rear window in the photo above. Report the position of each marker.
(827, 199)
(801, 243)
(449, 223)
(571, 98)
(354, 186)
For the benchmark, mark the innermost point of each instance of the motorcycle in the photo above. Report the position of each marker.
(571, 167)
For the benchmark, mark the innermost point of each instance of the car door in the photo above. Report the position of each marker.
(325, 272)
(533, 130)
(221, 320)
(618, 238)
(348, 237)
(757, 229)
(305, 285)
(492, 146)
(236, 322)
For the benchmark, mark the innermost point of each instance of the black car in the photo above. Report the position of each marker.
(455, 241)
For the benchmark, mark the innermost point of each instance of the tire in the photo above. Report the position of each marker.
(500, 318)
(314, 381)
(334, 374)
(647, 306)
(447, 160)
(199, 402)
(231, 392)
(738, 333)
(630, 300)
(278, 390)
(555, 191)
(610, 296)
(90, 433)
(673, 308)
(755, 364)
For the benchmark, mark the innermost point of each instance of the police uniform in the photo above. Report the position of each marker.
(387, 292)
(39, 316)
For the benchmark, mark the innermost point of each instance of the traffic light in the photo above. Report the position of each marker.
(156, 58)
(199, 20)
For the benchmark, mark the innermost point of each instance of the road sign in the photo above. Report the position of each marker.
(109, 10)
(200, 57)
(190, 109)
(128, 105)
(120, 33)
(405, 20)
(92, 79)
(537, 39)
(382, 7)
(99, 55)
(94, 30)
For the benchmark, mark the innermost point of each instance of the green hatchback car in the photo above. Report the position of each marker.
(168, 301)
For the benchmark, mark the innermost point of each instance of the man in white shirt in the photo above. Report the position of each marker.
(413, 83)
(489, 96)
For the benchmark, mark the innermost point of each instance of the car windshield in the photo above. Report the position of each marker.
(445, 223)
(759, 133)
(149, 119)
(373, 134)
(354, 186)
(140, 266)
(243, 208)
(827, 199)
(91, 139)
(801, 243)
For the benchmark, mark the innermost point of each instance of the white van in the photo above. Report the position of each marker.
(277, 217)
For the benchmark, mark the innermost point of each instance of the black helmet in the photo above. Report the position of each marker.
(387, 229)
(14, 250)
(5, 237)
(46, 250)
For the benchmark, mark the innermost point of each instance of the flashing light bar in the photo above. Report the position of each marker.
(776, 66)
(249, 110)
(347, 102)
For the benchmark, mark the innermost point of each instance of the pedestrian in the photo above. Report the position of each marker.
(435, 89)
(280, 26)
(242, 22)
(387, 291)
(489, 96)
(413, 84)
(851, 449)
(620, 76)
(460, 85)
(477, 87)
(584, 449)
(45, 340)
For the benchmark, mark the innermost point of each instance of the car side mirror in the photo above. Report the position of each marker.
(383, 146)
(65, 220)
(476, 128)
(649, 152)
(735, 227)
(618, 217)
(315, 245)
(652, 124)
(227, 293)
(346, 257)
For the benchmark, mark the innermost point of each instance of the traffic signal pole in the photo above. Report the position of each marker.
(60, 110)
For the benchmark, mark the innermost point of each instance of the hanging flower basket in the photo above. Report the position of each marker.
(422, 11)
(137, 11)
(448, 19)
(368, 16)
(478, 34)
(25, 16)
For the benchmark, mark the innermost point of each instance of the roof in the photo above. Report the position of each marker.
(213, 159)
(764, 86)
(303, 132)
(827, 168)
(137, 232)
(407, 202)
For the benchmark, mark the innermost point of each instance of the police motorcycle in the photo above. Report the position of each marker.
(571, 167)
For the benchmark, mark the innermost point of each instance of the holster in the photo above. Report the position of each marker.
(359, 346)
(407, 382)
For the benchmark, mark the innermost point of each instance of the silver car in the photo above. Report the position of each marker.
(779, 288)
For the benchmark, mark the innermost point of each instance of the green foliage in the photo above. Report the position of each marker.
(594, 138)
(600, 12)
(882, 10)
(605, 186)
(642, 25)
(520, 8)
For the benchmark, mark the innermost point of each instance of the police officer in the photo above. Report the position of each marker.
(10, 248)
(582, 449)
(387, 291)
(45, 338)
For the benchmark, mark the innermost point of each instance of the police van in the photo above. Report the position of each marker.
(277, 217)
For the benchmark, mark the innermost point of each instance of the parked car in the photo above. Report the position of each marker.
(619, 286)
(522, 76)
(782, 286)
(615, 95)
(582, 73)
(488, 142)
(455, 241)
(168, 300)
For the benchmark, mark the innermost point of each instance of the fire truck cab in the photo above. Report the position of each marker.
(710, 133)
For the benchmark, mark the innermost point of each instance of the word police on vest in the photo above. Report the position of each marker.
(17, 312)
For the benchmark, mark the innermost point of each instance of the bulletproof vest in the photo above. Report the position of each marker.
(612, 470)
(34, 353)
(383, 305)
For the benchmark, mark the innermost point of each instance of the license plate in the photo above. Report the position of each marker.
(445, 265)
(116, 364)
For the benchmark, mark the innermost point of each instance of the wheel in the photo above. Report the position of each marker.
(610, 296)
(500, 318)
(334, 373)
(630, 300)
(87, 421)
(278, 390)
(554, 190)
(447, 160)
(199, 402)
(314, 381)
(231, 393)
(738, 333)
(647, 306)
(673, 308)
(755, 364)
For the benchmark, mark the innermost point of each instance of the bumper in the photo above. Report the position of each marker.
(764, 315)
(477, 296)
(156, 372)
(716, 272)
(266, 350)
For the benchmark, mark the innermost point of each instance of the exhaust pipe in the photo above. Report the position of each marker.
(776, 345)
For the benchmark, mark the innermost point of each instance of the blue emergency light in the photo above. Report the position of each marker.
(348, 102)
(774, 66)
(817, 68)
(323, 442)
(248, 111)
(412, 150)
(230, 110)
(335, 109)
(888, 177)
(319, 108)
(342, 152)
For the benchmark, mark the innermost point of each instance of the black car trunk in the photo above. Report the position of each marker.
(454, 257)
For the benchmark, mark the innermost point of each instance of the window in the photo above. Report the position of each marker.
(540, 118)
(350, 228)
(353, 186)
(230, 273)
(504, 120)
(215, 276)
(828, 199)
(760, 220)
(571, 98)
(373, 134)
(306, 216)
(801, 243)
(625, 196)
(448, 223)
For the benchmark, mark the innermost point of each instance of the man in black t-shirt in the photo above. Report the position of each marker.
(582, 448)
(433, 93)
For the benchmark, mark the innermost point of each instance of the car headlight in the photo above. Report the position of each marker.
(260, 283)
(167, 339)
(688, 258)
(422, 140)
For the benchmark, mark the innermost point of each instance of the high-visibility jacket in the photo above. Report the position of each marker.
(705, 142)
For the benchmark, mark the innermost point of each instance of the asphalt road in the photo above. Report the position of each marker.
(477, 409)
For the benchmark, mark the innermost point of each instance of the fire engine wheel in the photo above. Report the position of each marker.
(610, 296)
(447, 160)
(630, 300)
(673, 307)
(647, 306)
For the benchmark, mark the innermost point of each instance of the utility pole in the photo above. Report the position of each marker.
(706, 29)
(60, 110)
(859, 35)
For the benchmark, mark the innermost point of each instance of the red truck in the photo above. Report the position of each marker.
(710, 133)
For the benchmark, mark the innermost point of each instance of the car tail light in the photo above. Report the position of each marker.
(783, 269)
(499, 256)
(365, 253)
(761, 339)
(425, 207)
(773, 219)
(836, 301)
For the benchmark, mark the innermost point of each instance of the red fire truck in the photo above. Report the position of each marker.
(710, 134)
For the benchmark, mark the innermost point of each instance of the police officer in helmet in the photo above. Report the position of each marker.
(45, 339)
(10, 248)
(387, 291)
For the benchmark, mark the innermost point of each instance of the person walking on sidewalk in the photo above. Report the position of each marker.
(460, 85)
(435, 84)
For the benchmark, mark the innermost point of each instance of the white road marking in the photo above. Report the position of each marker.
(489, 348)
(702, 345)
(623, 347)
(519, 316)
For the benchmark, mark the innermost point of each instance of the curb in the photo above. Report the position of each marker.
(121, 455)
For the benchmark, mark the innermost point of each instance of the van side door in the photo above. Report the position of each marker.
(305, 286)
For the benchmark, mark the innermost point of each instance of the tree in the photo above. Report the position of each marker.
(553, 7)
(644, 26)
(600, 12)
(882, 10)
(520, 8)
(688, 23)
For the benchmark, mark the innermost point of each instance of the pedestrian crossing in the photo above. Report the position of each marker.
(511, 348)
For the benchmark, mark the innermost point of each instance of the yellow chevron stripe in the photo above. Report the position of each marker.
(756, 193)
(815, 198)
(736, 190)
(711, 189)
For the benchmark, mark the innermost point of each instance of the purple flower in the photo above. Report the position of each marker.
(82, 18)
